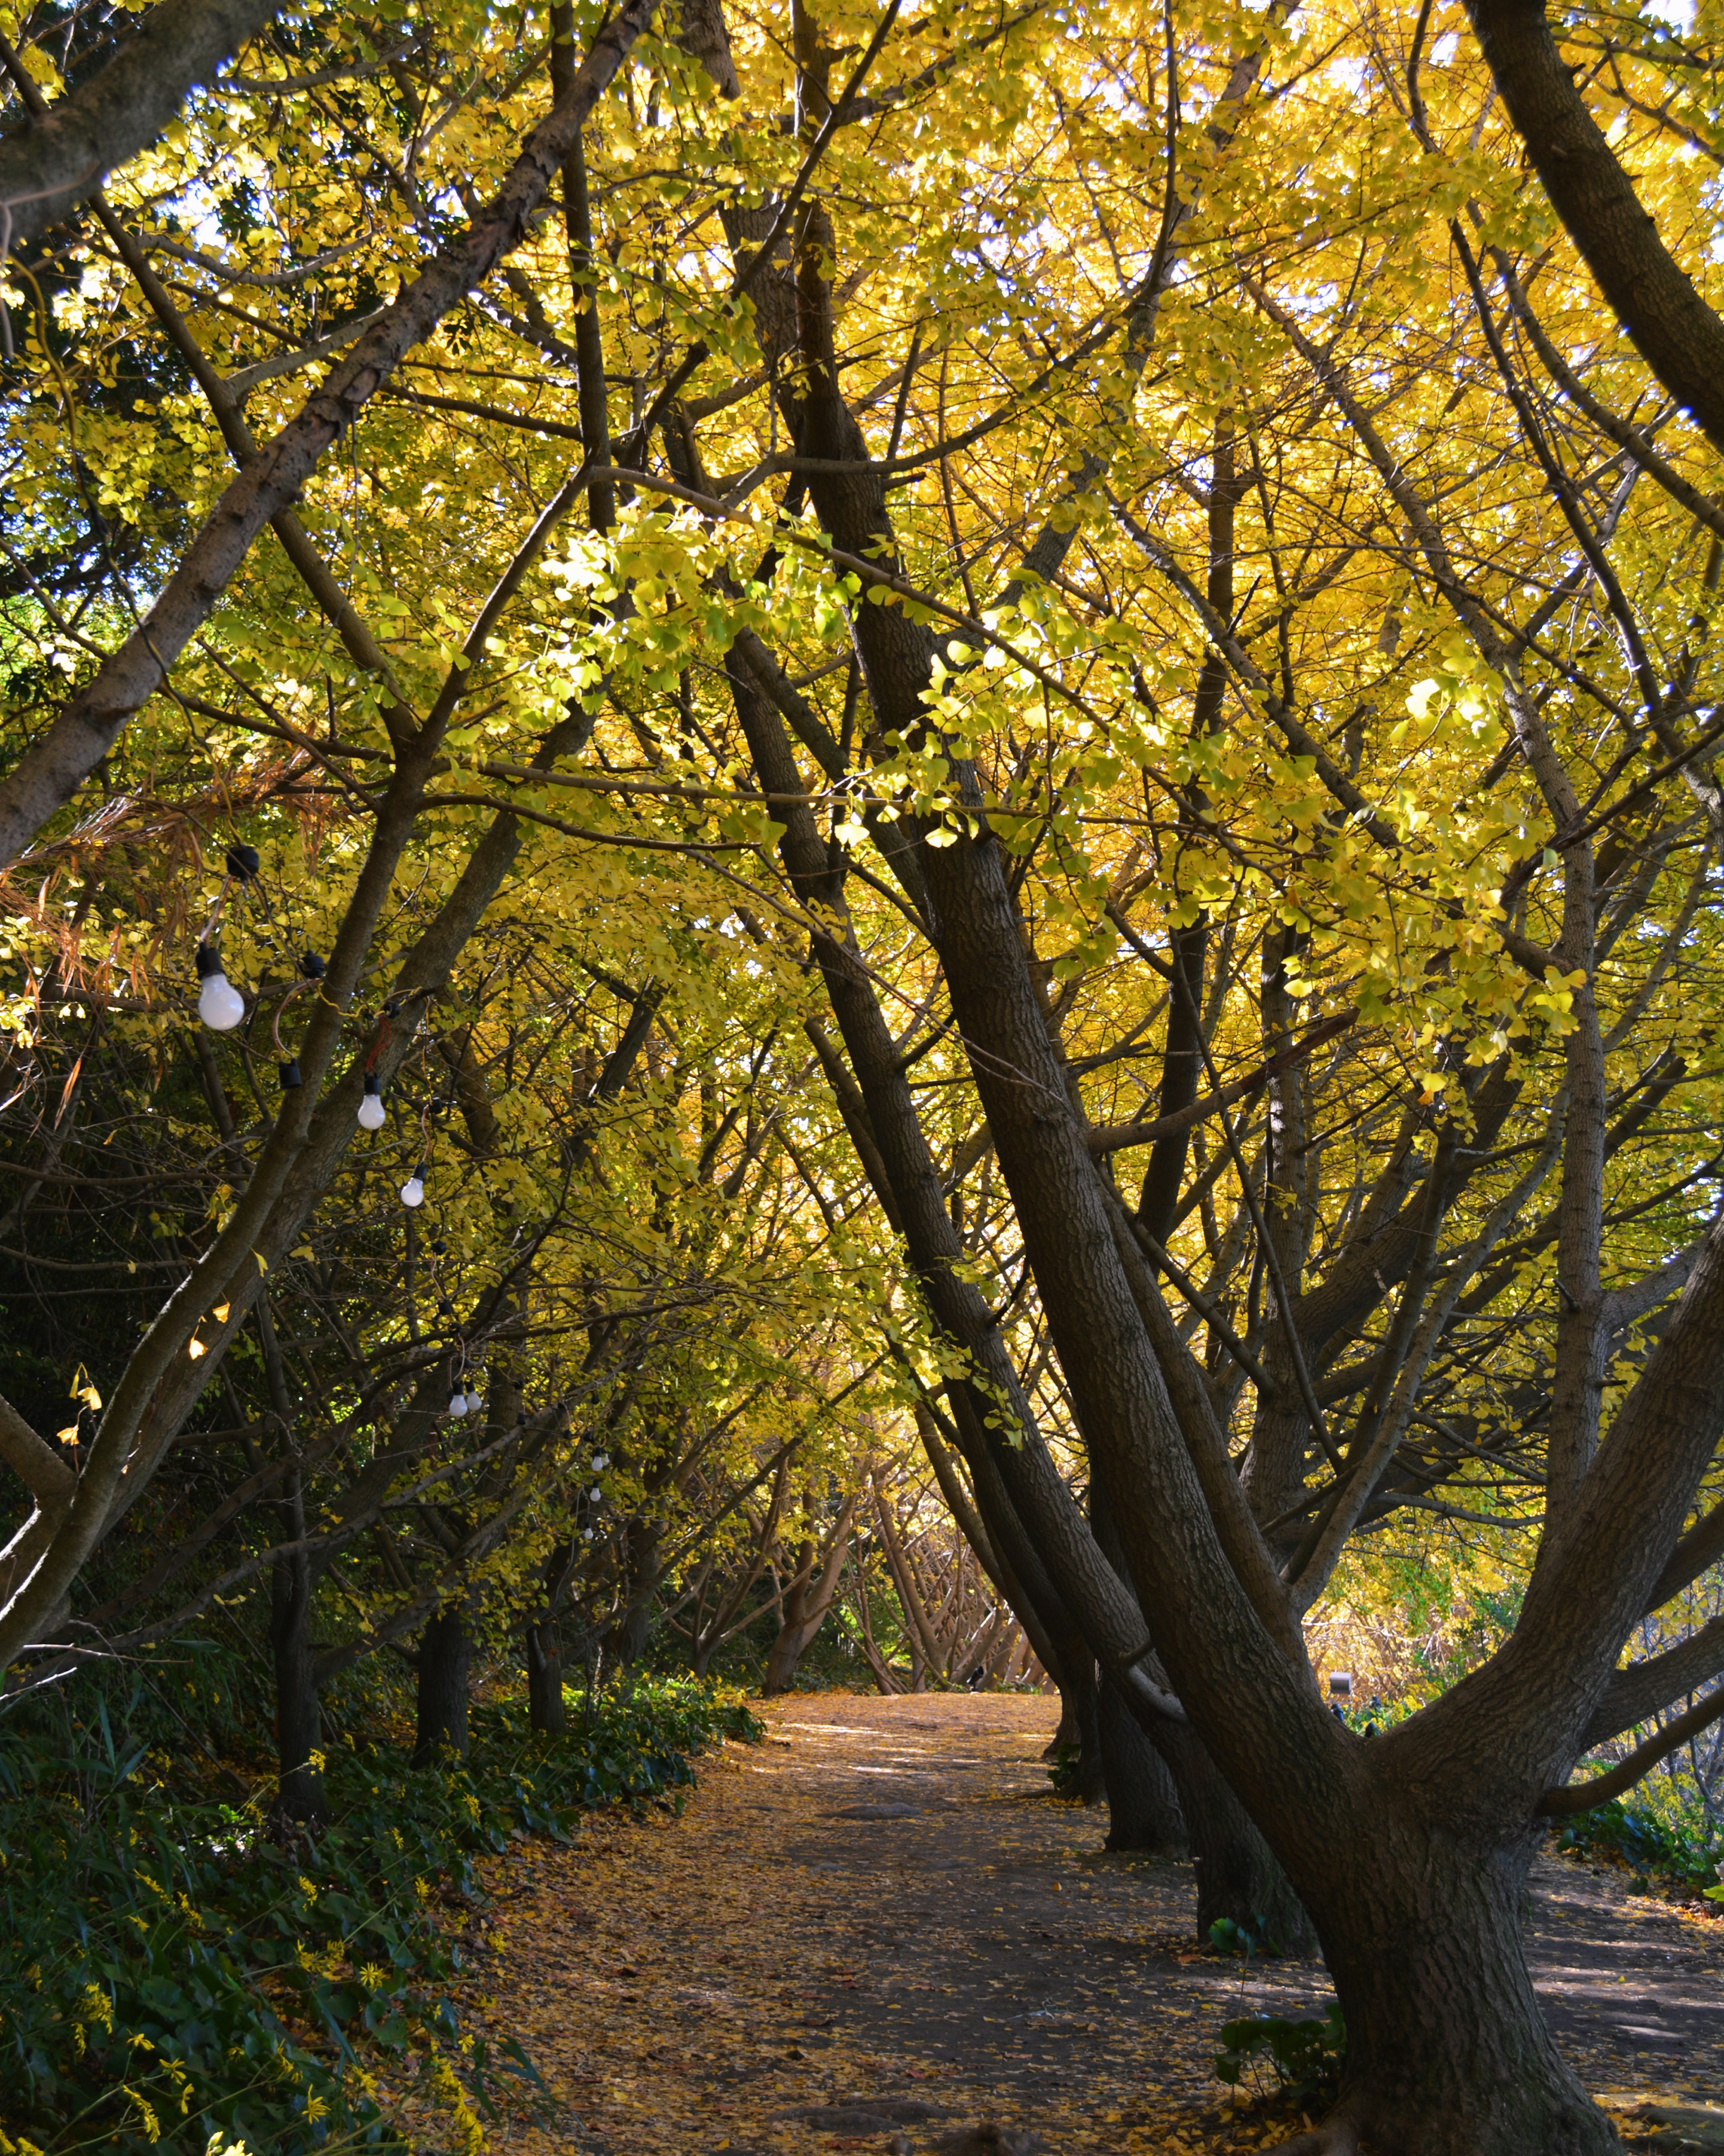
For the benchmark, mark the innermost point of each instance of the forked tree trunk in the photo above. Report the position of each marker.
(1143, 1810)
(544, 1679)
(807, 1601)
(445, 1656)
(1447, 2053)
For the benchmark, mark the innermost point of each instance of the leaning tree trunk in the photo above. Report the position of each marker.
(446, 1654)
(1143, 1810)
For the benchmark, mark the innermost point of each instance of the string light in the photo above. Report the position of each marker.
(371, 1104)
(220, 1004)
(412, 1191)
(288, 1069)
(458, 1404)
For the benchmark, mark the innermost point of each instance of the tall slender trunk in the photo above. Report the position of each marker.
(445, 1656)
(299, 1720)
(1088, 1779)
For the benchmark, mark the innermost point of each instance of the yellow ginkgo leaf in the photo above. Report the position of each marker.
(220, 1312)
(195, 1350)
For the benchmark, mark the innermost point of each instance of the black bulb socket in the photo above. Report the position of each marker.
(311, 966)
(243, 862)
(209, 962)
(371, 1083)
(290, 1079)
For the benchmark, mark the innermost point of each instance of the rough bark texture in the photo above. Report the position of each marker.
(1676, 333)
(1447, 2053)
(49, 167)
(1143, 1805)
(445, 1656)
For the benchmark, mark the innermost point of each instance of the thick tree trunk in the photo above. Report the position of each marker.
(544, 1679)
(1447, 2053)
(1143, 1805)
(298, 1721)
(445, 1653)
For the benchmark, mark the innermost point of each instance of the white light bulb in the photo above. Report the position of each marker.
(220, 1004)
(458, 1404)
(413, 1192)
(595, 1493)
(475, 1403)
(371, 1113)
(586, 1534)
(600, 1459)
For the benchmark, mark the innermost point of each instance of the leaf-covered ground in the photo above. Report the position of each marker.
(879, 1931)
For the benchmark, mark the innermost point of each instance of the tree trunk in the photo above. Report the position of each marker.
(445, 1652)
(1238, 1877)
(807, 1600)
(1143, 1805)
(298, 1721)
(1087, 1780)
(544, 1679)
(629, 1640)
(1447, 2053)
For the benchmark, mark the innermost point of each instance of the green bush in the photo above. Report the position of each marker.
(1683, 1847)
(170, 1971)
(1305, 2057)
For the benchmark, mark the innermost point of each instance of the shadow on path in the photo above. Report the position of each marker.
(879, 1931)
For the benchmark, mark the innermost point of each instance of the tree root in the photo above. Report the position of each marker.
(1338, 2136)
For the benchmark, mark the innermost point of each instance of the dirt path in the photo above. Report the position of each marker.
(878, 1930)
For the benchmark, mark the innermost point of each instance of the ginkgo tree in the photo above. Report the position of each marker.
(1121, 553)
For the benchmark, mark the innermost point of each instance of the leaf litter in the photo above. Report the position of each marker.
(878, 1930)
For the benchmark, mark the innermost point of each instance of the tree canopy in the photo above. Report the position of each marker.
(995, 729)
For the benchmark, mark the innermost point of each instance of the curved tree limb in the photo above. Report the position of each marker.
(1680, 338)
(1586, 1796)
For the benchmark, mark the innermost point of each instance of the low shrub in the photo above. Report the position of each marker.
(1684, 1850)
(169, 1971)
(1303, 2059)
